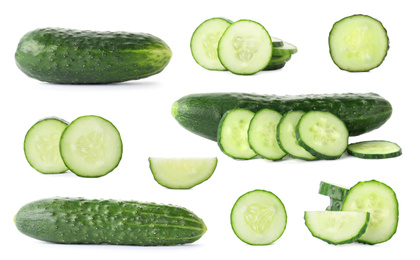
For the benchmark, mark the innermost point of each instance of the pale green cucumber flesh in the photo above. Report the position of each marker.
(375, 149)
(286, 49)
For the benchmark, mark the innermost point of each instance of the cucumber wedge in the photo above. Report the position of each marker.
(337, 227)
(258, 217)
(286, 49)
(182, 173)
(374, 149)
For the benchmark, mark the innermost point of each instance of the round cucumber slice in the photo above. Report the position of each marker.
(277, 62)
(258, 217)
(379, 149)
(182, 173)
(41, 146)
(91, 146)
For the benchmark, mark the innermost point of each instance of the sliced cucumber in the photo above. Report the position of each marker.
(232, 135)
(205, 40)
(358, 43)
(286, 49)
(41, 146)
(245, 47)
(276, 42)
(335, 205)
(379, 149)
(182, 173)
(286, 136)
(262, 136)
(381, 202)
(322, 134)
(91, 146)
(333, 191)
(337, 227)
(258, 217)
(277, 62)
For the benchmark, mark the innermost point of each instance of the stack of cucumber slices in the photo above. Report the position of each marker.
(243, 47)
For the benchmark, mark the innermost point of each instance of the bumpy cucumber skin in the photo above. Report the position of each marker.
(66, 56)
(200, 113)
(82, 221)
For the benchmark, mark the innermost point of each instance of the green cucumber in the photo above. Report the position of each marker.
(83, 221)
(286, 49)
(205, 40)
(337, 227)
(381, 202)
(378, 149)
(322, 134)
(262, 134)
(277, 62)
(91, 146)
(200, 113)
(258, 217)
(182, 173)
(333, 191)
(67, 56)
(42, 145)
(358, 43)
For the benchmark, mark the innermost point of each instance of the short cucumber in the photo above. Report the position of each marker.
(182, 173)
(378, 149)
(262, 136)
(205, 40)
(83, 221)
(333, 191)
(381, 201)
(337, 227)
(358, 43)
(258, 217)
(286, 136)
(41, 145)
(322, 134)
(91, 146)
(245, 47)
(286, 49)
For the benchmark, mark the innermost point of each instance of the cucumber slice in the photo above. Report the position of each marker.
(286, 49)
(335, 205)
(337, 227)
(245, 47)
(41, 146)
(276, 42)
(322, 134)
(381, 201)
(182, 173)
(379, 149)
(91, 146)
(277, 62)
(262, 136)
(333, 191)
(258, 217)
(358, 43)
(286, 136)
(205, 40)
(232, 135)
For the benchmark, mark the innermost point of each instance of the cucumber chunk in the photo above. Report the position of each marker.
(286, 49)
(205, 40)
(232, 136)
(41, 146)
(286, 136)
(374, 149)
(258, 217)
(358, 43)
(381, 202)
(333, 191)
(182, 173)
(91, 146)
(245, 47)
(322, 134)
(337, 227)
(262, 136)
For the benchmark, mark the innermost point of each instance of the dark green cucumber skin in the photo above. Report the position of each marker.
(67, 56)
(332, 191)
(200, 113)
(83, 221)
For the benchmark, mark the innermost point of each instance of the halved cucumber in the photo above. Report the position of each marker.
(262, 136)
(258, 217)
(91, 146)
(41, 146)
(322, 134)
(358, 43)
(205, 40)
(381, 202)
(232, 134)
(337, 227)
(182, 173)
(379, 149)
(286, 49)
(245, 47)
(286, 136)
(333, 191)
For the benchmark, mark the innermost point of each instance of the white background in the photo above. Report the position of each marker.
(141, 111)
